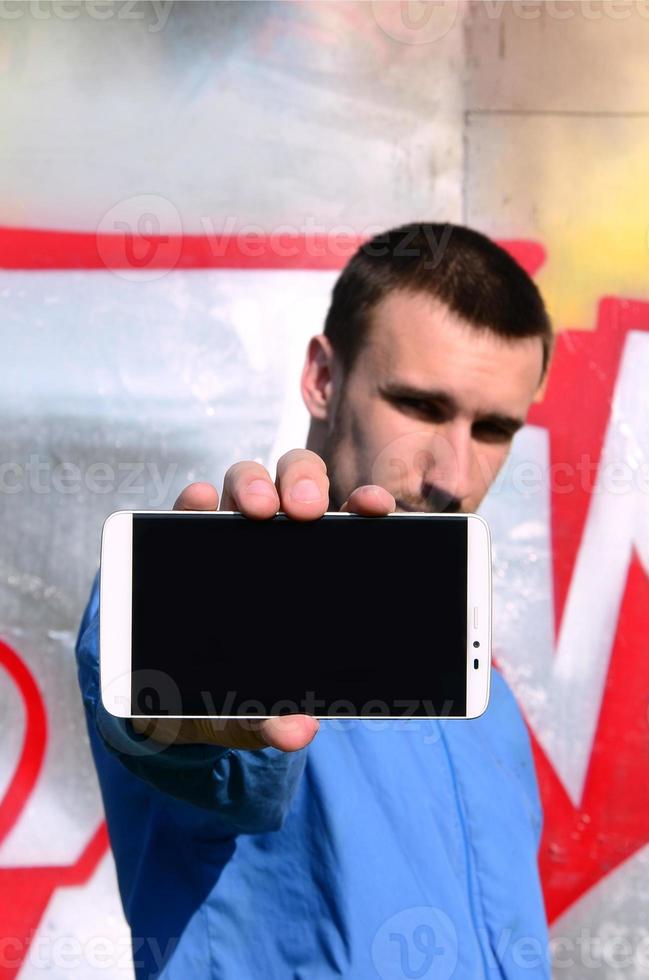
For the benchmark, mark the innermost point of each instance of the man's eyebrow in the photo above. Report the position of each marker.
(443, 399)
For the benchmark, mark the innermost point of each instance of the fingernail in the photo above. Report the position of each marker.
(306, 492)
(260, 488)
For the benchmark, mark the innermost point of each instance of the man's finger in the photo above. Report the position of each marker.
(370, 501)
(198, 496)
(303, 484)
(248, 488)
(285, 732)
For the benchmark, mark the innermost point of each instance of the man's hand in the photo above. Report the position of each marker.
(301, 491)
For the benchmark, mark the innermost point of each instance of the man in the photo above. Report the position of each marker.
(254, 849)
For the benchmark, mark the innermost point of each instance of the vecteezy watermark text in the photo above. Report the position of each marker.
(164, 699)
(41, 476)
(417, 22)
(155, 13)
(140, 238)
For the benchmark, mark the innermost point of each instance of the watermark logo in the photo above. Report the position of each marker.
(418, 942)
(140, 238)
(416, 21)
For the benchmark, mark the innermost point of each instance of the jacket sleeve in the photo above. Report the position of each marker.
(250, 790)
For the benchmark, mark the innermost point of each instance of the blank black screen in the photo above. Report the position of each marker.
(334, 617)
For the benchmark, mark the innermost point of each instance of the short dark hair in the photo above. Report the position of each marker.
(477, 279)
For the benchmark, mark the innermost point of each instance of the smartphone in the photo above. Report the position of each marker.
(213, 614)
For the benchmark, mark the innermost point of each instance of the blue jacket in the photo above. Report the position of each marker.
(386, 848)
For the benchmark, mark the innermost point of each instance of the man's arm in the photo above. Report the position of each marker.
(248, 769)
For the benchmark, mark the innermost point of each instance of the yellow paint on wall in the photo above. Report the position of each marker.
(592, 207)
(577, 183)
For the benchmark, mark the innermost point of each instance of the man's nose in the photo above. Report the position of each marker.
(451, 461)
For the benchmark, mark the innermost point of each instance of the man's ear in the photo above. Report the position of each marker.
(540, 391)
(319, 377)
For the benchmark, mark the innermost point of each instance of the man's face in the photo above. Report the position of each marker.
(429, 408)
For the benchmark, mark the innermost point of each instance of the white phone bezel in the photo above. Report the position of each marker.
(478, 615)
(115, 611)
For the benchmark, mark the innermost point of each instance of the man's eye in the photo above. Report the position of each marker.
(420, 406)
(492, 433)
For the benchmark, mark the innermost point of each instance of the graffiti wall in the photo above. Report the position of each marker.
(179, 185)
(557, 151)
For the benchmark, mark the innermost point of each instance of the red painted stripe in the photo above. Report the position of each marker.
(25, 894)
(84, 866)
(32, 248)
(34, 740)
(26, 891)
(28, 248)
